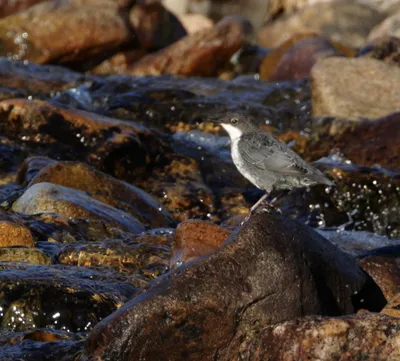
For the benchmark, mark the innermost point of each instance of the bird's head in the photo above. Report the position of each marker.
(235, 124)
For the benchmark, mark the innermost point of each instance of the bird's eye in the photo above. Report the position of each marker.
(234, 120)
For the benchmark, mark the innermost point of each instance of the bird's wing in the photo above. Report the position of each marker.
(267, 153)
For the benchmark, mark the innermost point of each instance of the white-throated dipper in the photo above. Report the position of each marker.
(265, 161)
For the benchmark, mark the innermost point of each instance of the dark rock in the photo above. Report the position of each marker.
(341, 87)
(30, 167)
(44, 345)
(106, 189)
(63, 31)
(386, 48)
(71, 203)
(34, 79)
(294, 59)
(346, 22)
(112, 145)
(155, 27)
(363, 337)
(59, 297)
(366, 143)
(204, 53)
(193, 239)
(273, 269)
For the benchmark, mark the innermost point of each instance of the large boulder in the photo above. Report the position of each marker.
(354, 88)
(348, 22)
(273, 269)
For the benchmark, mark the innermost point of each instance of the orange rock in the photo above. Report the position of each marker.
(393, 307)
(13, 234)
(201, 54)
(119, 63)
(194, 239)
(64, 31)
(385, 271)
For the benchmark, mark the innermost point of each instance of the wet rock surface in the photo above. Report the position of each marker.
(49, 31)
(71, 203)
(236, 289)
(193, 239)
(367, 336)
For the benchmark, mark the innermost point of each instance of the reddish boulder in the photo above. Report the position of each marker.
(194, 239)
(203, 53)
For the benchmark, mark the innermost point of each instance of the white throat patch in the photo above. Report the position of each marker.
(233, 132)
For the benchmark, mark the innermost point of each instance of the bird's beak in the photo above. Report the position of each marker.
(213, 119)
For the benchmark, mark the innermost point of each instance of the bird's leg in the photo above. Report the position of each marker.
(262, 199)
(255, 206)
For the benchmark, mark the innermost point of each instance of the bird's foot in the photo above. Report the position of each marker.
(267, 207)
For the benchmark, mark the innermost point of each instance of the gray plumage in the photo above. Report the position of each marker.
(265, 161)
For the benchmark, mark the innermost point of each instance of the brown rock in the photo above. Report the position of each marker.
(383, 265)
(386, 48)
(367, 143)
(13, 233)
(106, 189)
(119, 63)
(71, 203)
(203, 53)
(342, 87)
(194, 239)
(389, 27)
(63, 31)
(114, 146)
(294, 59)
(366, 336)
(393, 307)
(32, 166)
(155, 27)
(22, 254)
(273, 269)
(10, 7)
(124, 256)
(180, 187)
(346, 22)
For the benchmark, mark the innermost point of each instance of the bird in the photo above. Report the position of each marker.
(266, 162)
